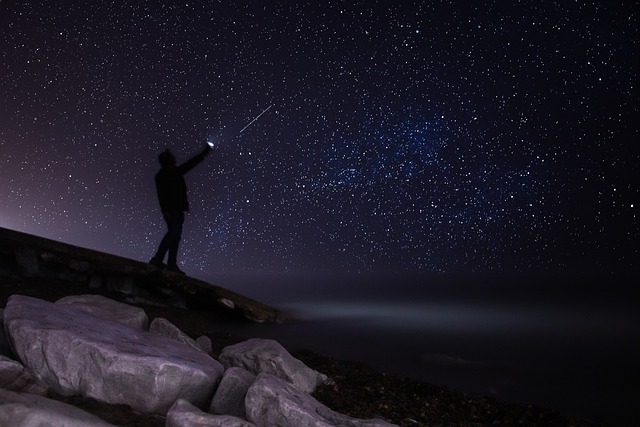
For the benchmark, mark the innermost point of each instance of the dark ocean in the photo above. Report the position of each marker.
(565, 343)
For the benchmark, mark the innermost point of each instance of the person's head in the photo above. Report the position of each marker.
(166, 159)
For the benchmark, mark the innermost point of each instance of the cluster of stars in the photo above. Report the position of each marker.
(411, 136)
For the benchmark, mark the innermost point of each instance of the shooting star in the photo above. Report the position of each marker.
(257, 117)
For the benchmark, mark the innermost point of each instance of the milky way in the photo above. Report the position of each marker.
(399, 136)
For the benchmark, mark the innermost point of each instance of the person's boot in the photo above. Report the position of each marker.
(156, 262)
(175, 269)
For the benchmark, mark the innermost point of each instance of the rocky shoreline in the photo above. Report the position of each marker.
(352, 388)
(95, 347)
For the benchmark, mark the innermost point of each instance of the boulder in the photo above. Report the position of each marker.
(270, 401)
(184, 414)
(14, 377)
(109, 309)
(259, 355)
(29, 410)
(10, 371)
(204, 342)
(229, 397)
(163, 327)
(74, 352)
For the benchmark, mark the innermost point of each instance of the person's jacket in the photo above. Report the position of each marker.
(170, 185)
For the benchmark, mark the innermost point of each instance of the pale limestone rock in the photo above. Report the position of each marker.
(229, 397)
(270, 401)
(204, 342)
(14, 377)
(268, 356)
(76, 353)
(29, 410)
(104, 307)
(162, 327)
(184, 414)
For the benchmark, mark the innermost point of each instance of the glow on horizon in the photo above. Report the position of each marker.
(453, 317)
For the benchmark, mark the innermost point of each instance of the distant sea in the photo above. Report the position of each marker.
(566, 343)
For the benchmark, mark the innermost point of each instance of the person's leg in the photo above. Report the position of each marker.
(174, 222)
(162, 249)
(174, 242)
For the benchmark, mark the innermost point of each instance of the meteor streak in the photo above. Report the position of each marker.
(257, 117)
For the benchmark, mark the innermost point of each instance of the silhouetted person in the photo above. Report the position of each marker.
(172, 195)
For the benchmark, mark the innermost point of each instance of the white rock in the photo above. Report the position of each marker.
(229, 397)
(162, 327)
(29, 410)
(270, 401)
(268, 356)
(184, 414)
(13, 375)
(76, 353)
(204, 342)
(109, 309)
(227, 303)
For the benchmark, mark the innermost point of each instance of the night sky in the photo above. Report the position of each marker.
(425, 137)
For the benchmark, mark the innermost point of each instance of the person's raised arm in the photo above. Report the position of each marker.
(192, 162)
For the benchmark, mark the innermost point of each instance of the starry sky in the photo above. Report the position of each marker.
(426, 137)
